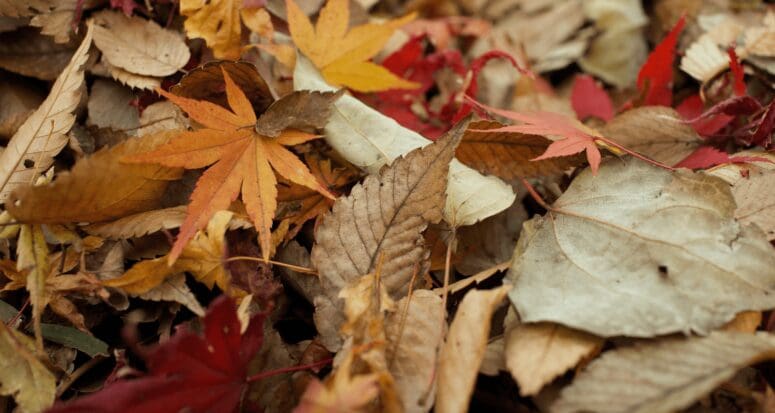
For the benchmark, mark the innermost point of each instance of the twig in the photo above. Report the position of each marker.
(71, 378)
(296, 268)
(270, 373)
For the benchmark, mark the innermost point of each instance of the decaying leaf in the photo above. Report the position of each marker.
(415, 333)
(342, 54)
(658, 132)
(22, 375)
(508, 154)
(537, 353)
(174, 289)
(382, 220)
(202, 257)
(490, 242)
(464, 348)
(297, 110)
(110, 106)
(663, 376)
(218, 23)
(206, 83)
(30, 53)
(752, 188)
(33, 147)
(17, 102)
(370, 140)
(661, 254)
(98, 188)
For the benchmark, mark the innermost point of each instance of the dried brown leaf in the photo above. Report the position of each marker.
(29, 53)
(463, 351)
(206, 83)
(18, 100)
(22, 375)
(537, 353)
(174, 289)
(658, 132)
(139, 46)
(297, 110)
(32, 149)
(109, 106)
(670, 374)
(98, 188)
(383, 219)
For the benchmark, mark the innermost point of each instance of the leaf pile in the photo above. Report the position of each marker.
(405, 206)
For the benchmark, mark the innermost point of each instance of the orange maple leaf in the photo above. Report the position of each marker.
(242, 161)
(341, 55)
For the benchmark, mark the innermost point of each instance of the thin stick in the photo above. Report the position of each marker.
(270, 373)
(296, 268)
(534, 194)
(70, 379)
(447, 265)
(635, 154)
(404, 316)
(15, 318)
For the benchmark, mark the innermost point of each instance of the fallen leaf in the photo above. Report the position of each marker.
(20, 8)
(58, 21)
(174, 289)
(706, 157)
(678, 371)
(242, 161)
(655, 78)
(218, 23)
(32, 148)
(490, 242)
(657, 236)
(297, 110)
(342, 55)
(109, 106)
(18, 100)
(188, 372)
(130, 79)
(745, 322)
(658, 132)
(590, 99)
(382, 220)
(489, 147)
(22, 375)
(537, 353)
(463, 350)
(370, 140)
(97, 188)
(751, 184)
(138, 45)
(575, 137)
(202, 257)
(414, 333)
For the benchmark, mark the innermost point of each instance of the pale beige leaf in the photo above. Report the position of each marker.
(642, 251)
(662, 376)
(139, 46)
(23, 8)
(33, 147)
(415, 333)
(537, 353)
(703, 60)
(131, 79)
(658, 132)
(492, 362)
(175, 289)
(161, 116)
(109, 107)
(382, 220)
(370, 140)
(98, 187)
(22, 375)
(58, 22)
(752, 188)
(29, 53)
(463, 351)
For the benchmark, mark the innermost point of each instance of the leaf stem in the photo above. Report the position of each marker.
(535, 195)
(296, 268)
(270, 373)
(447, 265)
(633, 153)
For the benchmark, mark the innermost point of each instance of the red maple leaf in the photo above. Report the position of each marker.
(692, 109)
(655, 78)
(738, 76)
(589, 99)
(190, 372)
(706, 157)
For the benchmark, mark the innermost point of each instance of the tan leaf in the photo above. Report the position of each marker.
(370, 140)
(463, 351)
(29, 53)
(98, 188)
(161, 116)
(130, 79)
(175, 289)
(23, 8)
(635, 240)
(508, 154)
(58, 22)
(669, 374)
(415, 333)
(745, 322)
(139, 46)
(658, 132)
(22, 375)
(703, 60)
(109, 106)
(383, 219)
(297, 110)
(537, 353)
(34, 261)
(752, 188)
(33, 147)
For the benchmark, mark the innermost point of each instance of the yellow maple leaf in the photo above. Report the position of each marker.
(341, 55)
(218, 23)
